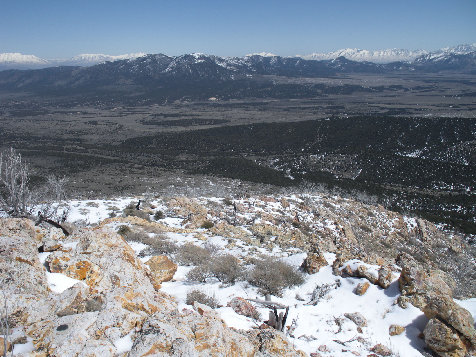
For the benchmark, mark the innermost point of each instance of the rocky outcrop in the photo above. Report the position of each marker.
(314, 261)
(443, 339)
(161, 269)
(114, 299)
(243, 307)
(450, 331)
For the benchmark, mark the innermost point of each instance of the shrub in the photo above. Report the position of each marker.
(123, 230)
(272, 275)
(226, 268)
(207, 224)
(190, 254)
(131, 210)
(158, 244)
(200, 273)
(227, 201)
(202, 298)
(158, 215)
(212, 248)
(15, 195)
(136, 236)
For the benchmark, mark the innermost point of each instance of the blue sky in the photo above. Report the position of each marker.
(61, 29)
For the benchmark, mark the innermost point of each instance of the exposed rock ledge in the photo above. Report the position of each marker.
(114, 309)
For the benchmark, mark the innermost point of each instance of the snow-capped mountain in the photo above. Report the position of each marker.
(379, 56)
(21, 61)
(262, 54)
(88, 59)
(445, 53)
(389, 55)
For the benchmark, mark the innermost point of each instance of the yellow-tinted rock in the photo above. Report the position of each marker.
(161, 269)
(361, 289)
(395, 330)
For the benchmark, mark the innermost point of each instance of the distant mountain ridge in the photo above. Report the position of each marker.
(22, 61)
(160, 73)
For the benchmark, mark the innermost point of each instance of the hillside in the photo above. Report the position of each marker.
(371, 280)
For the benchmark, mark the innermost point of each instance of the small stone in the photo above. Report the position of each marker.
(381, 350)
(205, 310)
(395, 330)
(385, 277)
(357, 318)
(347, 271)
(243, 307)
(362, 288)
(314, 262)
(323, 348)
(362, 272)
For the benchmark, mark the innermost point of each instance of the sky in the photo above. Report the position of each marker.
(64, 28)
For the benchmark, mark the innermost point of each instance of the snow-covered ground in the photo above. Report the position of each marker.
(320, 327)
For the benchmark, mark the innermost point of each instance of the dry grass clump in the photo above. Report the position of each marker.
(158, 244)
(191, 254)
(158, 215)
(271, 276)
(131, 210)
(226, 268)
(202, 298)
(207, 224)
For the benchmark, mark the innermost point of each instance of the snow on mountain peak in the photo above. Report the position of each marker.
(98, 57)
(262, 54)
(21, 61)
(15, 57)
(359, 55)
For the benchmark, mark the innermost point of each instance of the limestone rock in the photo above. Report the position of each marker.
(357, 318)
(77, 300)
(313, 262)
(445, 309)
(443, 339)
(362, 272)
(381, 350)
(161, 269)
(415, 280)
(385, 277)
(271, 342)
(427, 290)
(362, 288)
(395, 330)
(52, 240)
(245, 308)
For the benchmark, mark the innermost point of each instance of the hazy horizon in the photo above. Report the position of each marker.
(62, 30)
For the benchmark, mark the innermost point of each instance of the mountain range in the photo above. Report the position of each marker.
(202, 76)
(22, 61)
